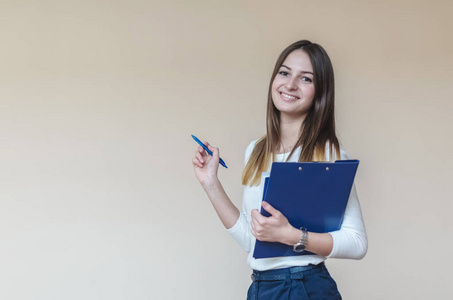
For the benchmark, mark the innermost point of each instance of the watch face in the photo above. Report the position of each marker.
(299, 248)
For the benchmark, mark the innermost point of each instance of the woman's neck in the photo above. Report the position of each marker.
(290, 130)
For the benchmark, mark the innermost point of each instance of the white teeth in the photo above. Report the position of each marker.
(289, 97)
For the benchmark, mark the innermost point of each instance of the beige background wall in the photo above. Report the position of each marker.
(97, 103)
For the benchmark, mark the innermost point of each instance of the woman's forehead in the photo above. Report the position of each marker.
(299, 61)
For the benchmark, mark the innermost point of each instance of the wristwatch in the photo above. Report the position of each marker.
(302, 243)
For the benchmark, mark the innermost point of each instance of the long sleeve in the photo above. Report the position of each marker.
(241, 230)
(351, 240)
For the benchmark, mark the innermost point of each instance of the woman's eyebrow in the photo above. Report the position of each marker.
(300, 71)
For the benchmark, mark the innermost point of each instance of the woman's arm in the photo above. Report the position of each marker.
(206, 168)
(351, 240)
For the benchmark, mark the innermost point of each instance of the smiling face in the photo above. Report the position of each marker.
(293, 88)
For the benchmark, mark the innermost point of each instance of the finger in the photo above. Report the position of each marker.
(200, 150)
(197, 153)
(254, 214)
(252, 225)
(270, 209)
(199, 157)
(257, 217)
(207, 145)
(196, 163)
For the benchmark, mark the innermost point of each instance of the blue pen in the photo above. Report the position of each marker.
(207, 150)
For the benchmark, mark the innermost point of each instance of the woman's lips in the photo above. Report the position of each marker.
(288, 97)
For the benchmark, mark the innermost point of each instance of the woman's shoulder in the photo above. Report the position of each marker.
(344, 155)
(250, 147)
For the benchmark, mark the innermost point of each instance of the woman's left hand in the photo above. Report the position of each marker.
(275, 228)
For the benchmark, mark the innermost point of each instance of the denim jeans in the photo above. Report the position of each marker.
(310, 282)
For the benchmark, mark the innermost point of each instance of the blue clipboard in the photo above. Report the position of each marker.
(313, 195)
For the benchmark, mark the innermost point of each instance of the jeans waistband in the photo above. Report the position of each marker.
(286, 273)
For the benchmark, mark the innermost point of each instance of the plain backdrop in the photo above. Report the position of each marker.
(98, 199)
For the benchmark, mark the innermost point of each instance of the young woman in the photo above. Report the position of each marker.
(300, 127)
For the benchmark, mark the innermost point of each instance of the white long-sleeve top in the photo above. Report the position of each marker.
(350, 241)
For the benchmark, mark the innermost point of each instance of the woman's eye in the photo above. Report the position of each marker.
(283, 73)
(307, 79)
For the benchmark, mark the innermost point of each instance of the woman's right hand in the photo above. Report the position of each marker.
(205, 165)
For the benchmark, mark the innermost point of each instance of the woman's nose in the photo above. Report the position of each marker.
(291, 84)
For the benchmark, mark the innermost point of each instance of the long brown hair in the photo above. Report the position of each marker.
(318, 128)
